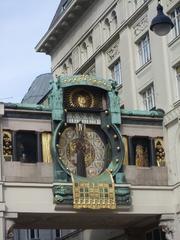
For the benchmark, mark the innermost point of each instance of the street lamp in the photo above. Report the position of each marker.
(161, 24)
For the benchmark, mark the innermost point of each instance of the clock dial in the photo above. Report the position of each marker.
(82, 154)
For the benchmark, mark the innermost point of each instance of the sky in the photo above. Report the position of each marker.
(22, 24)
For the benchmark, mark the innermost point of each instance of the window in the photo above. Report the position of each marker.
(32, 234)
(148, 98)
(90, 46)
(141, 156)
(178, 80)
(116, 72)
(144, 50)
(175, 16)
(58, 233)
(155, 234)
(84, 53)
(26, 145)
(64, 69)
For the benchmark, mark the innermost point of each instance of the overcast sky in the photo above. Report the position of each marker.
(23, 24)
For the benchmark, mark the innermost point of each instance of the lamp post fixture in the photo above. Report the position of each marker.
(161, 24)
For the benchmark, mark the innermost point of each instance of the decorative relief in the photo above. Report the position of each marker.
(113, 52)
(94, 194)
(7, 145)
(169, 2)
(141, 156)
(168, 229)
(159, 152)
(141, 25)
(126, 156)
(10, 224)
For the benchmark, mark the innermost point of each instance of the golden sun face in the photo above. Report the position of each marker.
(81, 98)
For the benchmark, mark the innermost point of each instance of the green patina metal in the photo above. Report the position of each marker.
(63, 194)
(110, 123)
(27, 106)
(127, 112)
(56, 101)
(114, 103)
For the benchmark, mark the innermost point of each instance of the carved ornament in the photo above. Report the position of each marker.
(113, 52)
(141, 25)
(168, 229)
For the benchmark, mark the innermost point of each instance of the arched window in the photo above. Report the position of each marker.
(83, 52)
(70, 66)
(107, 29)
(114, 21)
(90, 46)
(64, 69)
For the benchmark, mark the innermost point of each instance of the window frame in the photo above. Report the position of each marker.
(29, 234)
(177, 73)
(116, 72)
(143, 50)
(148, 100)
(152, 233)
(176, 21)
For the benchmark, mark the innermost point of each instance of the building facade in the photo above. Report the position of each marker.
(111, 39)
(104, 40)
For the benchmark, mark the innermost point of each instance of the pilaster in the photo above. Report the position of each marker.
(170, 224)
(1, 139)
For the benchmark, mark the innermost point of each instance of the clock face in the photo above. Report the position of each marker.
(82, 151)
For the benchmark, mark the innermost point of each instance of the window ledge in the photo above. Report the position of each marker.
(119, 86)
(173, 41)
(143, 66)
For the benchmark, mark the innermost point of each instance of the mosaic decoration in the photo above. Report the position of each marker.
(95, 194)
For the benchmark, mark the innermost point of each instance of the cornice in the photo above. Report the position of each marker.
(128, 22)
(66, 21)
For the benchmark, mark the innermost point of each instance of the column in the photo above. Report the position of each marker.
(39, 147)
(131, 151)
(1, 138)
(170, 224)
(2, 226)
(152, 152)
(14, 146)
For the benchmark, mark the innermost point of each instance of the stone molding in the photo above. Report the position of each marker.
(170, 2)
(140, 25)
(172, 115)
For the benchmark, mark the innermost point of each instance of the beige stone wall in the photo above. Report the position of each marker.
(132, 23)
